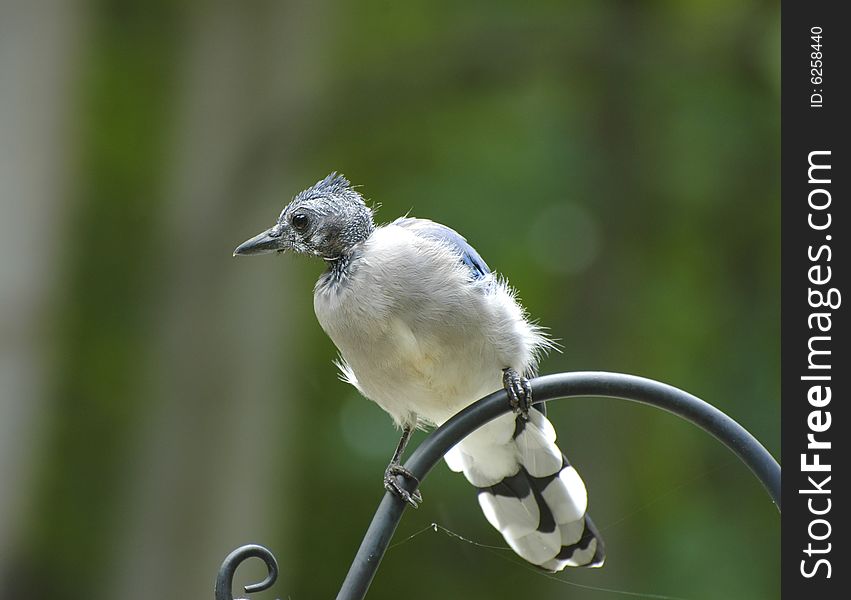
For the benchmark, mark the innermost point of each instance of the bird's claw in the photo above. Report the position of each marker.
(391, 484)
(519, 392)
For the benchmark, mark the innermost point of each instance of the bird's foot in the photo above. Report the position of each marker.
(519, 392)
(391, 484)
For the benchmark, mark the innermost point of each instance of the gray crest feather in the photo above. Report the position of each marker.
(335, 184)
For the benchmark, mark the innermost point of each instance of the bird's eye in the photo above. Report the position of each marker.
(300, 222)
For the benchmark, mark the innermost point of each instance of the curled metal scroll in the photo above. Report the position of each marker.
(544, 389)
(224, 582)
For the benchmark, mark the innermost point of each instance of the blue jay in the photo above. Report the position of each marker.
(424, 328)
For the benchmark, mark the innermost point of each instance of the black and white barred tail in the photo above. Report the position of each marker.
(530, 492)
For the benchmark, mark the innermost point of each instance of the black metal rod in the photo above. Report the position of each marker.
(551, 387)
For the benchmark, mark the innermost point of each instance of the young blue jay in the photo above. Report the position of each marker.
(424, 328)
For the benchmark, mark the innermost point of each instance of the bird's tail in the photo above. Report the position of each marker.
(530, 492)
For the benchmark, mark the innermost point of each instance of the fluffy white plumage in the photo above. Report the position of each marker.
(416, 334)
(424, 329)
(423, 339)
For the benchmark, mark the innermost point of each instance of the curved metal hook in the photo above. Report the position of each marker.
(550, 387)
(224, 581)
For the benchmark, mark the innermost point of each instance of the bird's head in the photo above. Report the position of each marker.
(325, 220)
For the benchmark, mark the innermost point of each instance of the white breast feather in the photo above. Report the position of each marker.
(416, 335)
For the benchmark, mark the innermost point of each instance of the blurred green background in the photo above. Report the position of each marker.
(162, 403)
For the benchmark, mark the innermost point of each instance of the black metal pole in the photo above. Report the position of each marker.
(550, 387)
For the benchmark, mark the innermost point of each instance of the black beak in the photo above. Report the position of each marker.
(268, 241)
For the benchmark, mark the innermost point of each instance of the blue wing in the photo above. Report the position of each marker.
(468, 255)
